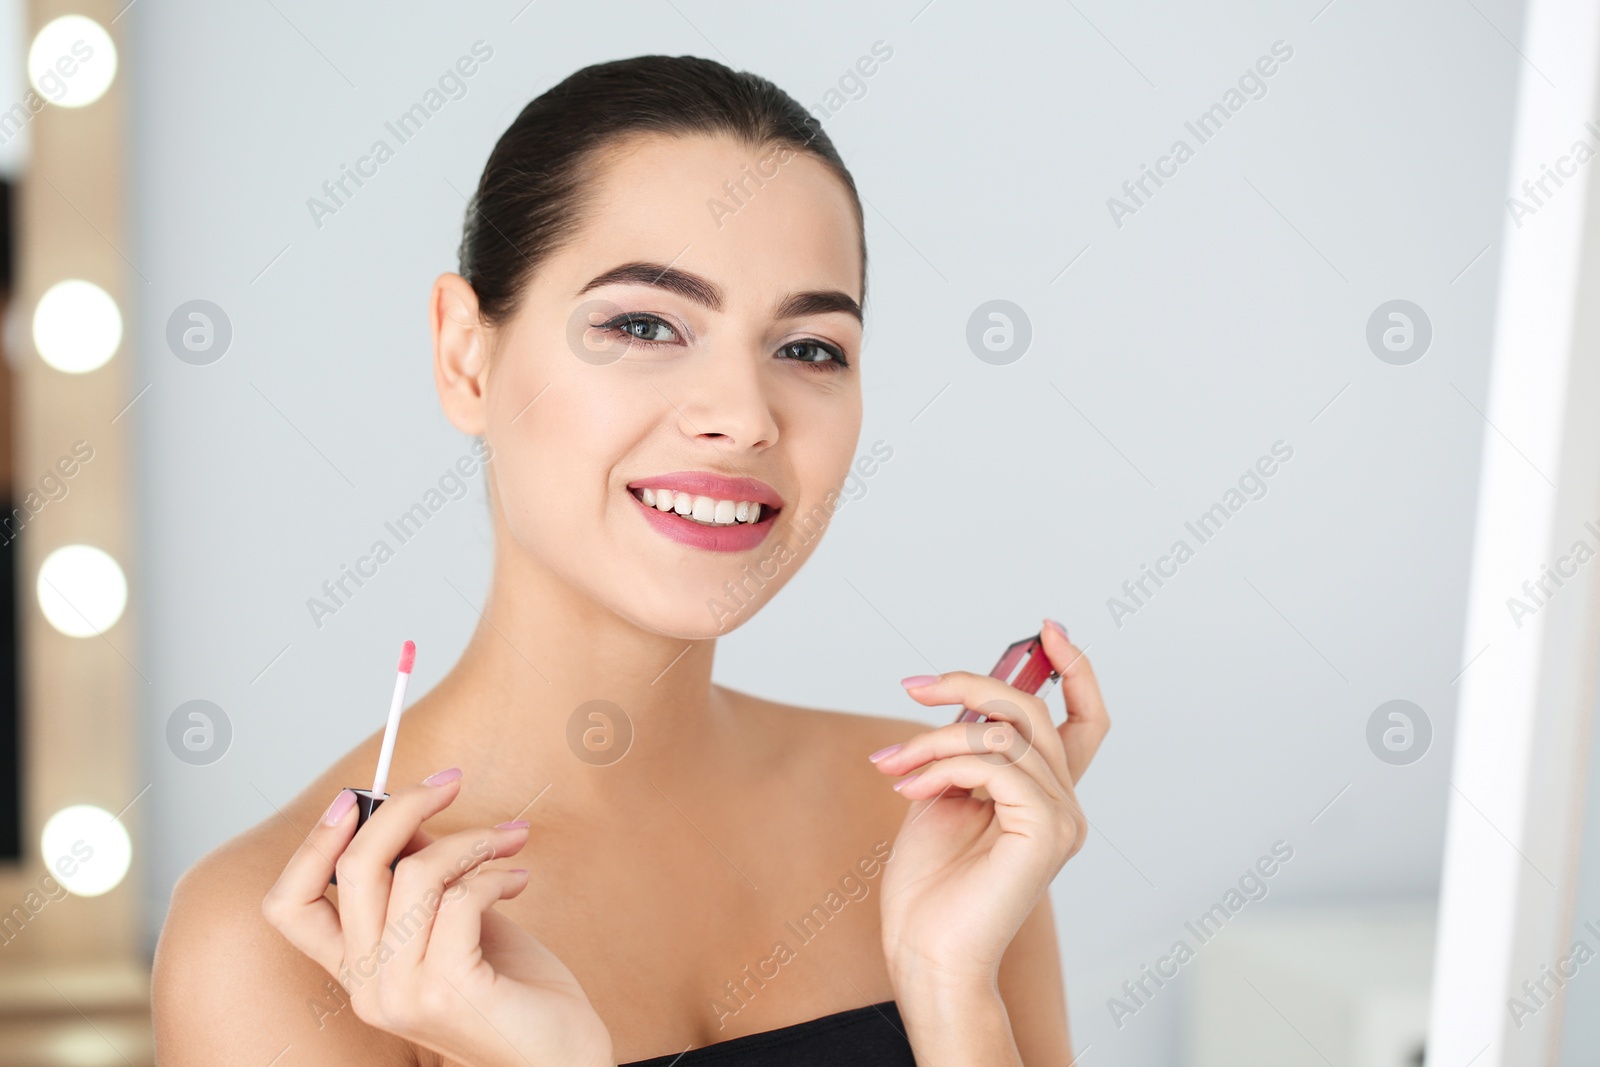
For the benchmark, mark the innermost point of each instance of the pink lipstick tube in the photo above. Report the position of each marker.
(1035, 672)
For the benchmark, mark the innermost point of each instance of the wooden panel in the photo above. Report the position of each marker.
(79, 694)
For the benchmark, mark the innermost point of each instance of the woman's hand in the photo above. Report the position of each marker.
(422, 953)
(966, 871)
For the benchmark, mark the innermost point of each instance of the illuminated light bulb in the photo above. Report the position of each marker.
(81, 590)
(72, 61)
(87, 849)
(76, 326)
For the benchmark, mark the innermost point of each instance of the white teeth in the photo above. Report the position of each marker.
(702, 509)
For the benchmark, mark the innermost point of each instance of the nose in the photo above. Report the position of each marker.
(725, 401)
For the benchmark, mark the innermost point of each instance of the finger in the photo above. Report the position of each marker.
(297, 904)
(996, 700)
(1087, 721)
(1019, 799)
(1021, 806)
(364, 876)
(424, 878)
(997, 741)
(419, 841)
(458, 929)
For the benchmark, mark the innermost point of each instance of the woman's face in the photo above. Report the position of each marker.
(701, 337)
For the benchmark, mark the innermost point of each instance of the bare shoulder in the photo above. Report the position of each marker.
(227, 987)
(825, 752)
(840, 739)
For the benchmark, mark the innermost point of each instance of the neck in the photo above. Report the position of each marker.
(508, 714)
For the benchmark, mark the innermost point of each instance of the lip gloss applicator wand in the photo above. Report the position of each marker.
(368, 800)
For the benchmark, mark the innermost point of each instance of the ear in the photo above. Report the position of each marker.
(461, 342)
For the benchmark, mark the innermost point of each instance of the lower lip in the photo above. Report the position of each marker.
(740, 537)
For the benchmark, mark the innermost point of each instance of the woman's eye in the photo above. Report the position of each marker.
(646, 328)
(650, 330)
(813, 352)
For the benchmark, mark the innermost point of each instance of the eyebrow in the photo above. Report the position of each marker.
(709, 294)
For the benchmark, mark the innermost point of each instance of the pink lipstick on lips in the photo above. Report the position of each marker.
(708, 510)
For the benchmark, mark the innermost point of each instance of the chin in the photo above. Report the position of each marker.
(694, 594)
(704, 581)
(709, 600)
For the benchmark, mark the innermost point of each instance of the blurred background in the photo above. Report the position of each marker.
(1223, 276)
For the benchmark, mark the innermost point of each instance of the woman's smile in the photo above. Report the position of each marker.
(708, 510)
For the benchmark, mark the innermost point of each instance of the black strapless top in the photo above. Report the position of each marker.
(873, 1036)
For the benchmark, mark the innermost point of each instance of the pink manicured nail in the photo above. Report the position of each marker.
(514, 824)
(916, 681)
(883, 752)
(444, 777)
(1062, 630)
(902, 783)
(518, 870)
(339, 808)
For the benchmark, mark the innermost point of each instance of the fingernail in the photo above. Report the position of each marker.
(514, 824)
(339, 808)
(903, 782)
(882, 752)
(518, 870)
(916, 681)
(1062, 630)
(443, 777)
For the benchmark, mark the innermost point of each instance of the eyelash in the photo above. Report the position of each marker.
(835, 360)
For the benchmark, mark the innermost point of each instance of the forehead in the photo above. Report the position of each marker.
(757, 221)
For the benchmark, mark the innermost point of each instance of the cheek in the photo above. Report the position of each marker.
(822, 436)
(557, 457)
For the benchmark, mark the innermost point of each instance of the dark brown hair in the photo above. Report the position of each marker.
(530, 198)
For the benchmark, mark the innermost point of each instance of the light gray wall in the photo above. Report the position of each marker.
(1227, 314)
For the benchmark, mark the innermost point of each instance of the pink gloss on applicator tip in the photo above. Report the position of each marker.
(368, 800)
(408, 658)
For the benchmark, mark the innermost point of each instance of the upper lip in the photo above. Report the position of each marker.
(715, 486)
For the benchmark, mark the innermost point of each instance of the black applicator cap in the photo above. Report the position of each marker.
(367, 802)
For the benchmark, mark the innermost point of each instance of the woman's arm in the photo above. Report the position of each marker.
(1034, 995)
(1021, 1021)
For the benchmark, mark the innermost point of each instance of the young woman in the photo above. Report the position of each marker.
(657, 333)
